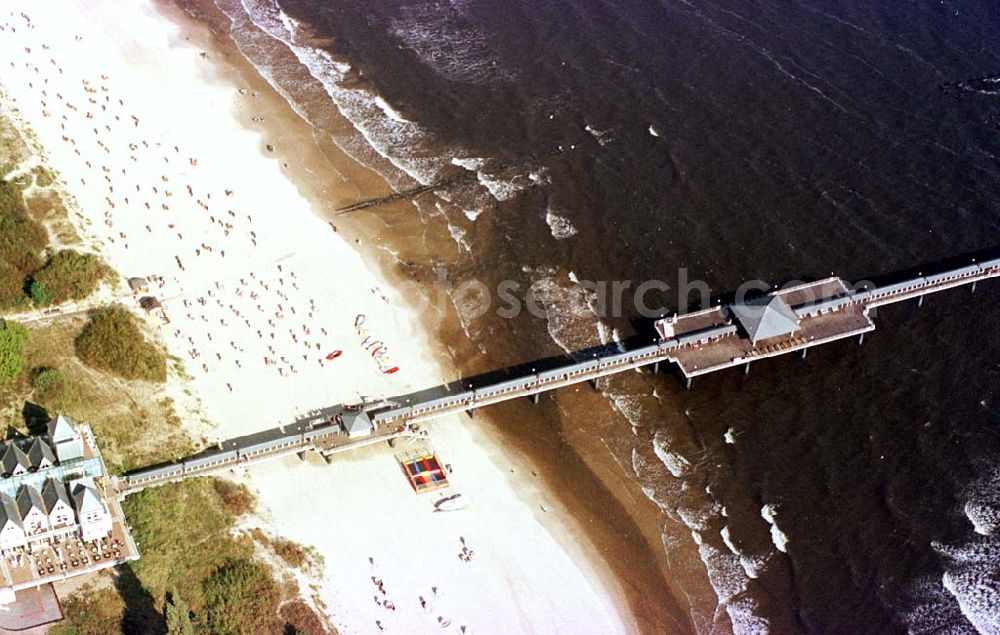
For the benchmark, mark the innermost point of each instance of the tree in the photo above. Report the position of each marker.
(111, 341)
(178, 615)
(12, 339)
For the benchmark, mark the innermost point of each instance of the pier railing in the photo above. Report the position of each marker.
(390, 422)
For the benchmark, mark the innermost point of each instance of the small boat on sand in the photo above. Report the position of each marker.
(451, 503)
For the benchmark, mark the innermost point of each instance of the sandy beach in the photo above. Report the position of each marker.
(259, 291)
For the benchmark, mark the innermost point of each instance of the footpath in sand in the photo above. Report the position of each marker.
(258, 292)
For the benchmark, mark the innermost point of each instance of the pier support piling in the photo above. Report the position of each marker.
(974, 285)
(471, 412)
(593, 384)
(535, 397)
(861, 339)
(804, 351)
(689, 383)
(656, 365)
(746, 369)
(920, 301)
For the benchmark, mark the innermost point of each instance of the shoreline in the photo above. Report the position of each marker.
(641, 518)
(62, 160)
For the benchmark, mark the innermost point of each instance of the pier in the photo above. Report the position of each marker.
(787, 320)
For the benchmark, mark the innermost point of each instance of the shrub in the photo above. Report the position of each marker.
(236, 498)
(43, 177)
(241, 597)
(22, 239)
(11, 286)
(51, 388)
(39, 294)
(68, 275)
(12, 339)
(91, 612)
(112, 342)
(291, 552)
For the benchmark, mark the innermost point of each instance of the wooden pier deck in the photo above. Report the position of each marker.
(698, 343)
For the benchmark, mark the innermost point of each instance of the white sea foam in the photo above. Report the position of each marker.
(930, 608)
(730, 436)
(653, 131)
(603, 136)
(675, 461)
(458, 235)
(389, 110)
(985, 517)
(724, 572)
(502, 188)
(978, 597)
(472, 164)
(754, 565)
(560, 226)
(727, 539)
(778, 537)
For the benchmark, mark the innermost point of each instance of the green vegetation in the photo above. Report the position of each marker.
(93, 612)
(51, 389)
(22, 239)
(290, 551)
(112, 342)
(12, 338)
(43, 177)
(68, 275)
(178, 615)
(236, 498)
(241, 597)
(185, 533)
(133, 422)
(11, 287)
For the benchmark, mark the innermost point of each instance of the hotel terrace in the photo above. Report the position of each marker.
(56, 519)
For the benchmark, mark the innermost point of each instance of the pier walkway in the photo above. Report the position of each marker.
(787, 320)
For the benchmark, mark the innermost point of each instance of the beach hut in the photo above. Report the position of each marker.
(154, 308)
(138, 285)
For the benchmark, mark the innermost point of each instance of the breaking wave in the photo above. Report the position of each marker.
(560, 226)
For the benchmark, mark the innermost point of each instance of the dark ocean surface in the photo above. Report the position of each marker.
(855, 491)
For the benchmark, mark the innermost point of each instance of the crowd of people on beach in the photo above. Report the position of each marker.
(252, 313)
(236, 306)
